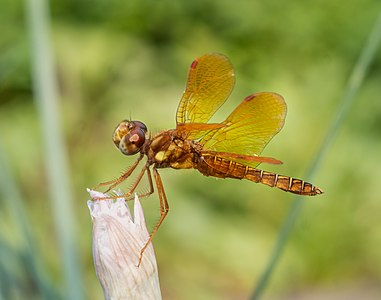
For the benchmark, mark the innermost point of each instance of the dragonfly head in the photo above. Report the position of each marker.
(129, 136)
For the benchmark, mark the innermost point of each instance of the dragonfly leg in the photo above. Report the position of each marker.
(151, 189)
(164, 208)
(137, 181)
(123, 177)
(127, 195)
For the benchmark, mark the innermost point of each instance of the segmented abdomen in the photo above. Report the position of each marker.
(224, 168)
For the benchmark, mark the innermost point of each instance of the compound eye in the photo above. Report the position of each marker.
(137, 137)
(140, 125)
(132, 142)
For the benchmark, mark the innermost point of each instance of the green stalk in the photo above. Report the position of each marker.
(354, 83)
(46, 96)
(11, 195)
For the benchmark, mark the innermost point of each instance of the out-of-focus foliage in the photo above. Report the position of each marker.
(122, 59)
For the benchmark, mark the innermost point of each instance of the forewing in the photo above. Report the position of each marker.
(195, 131)
(249, 127)
(210, 82)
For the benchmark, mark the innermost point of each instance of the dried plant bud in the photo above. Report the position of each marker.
(117, 241)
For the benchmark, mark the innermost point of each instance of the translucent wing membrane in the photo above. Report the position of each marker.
(210, 82)
(249, 128)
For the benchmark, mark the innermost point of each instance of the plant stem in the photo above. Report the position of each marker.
(354, 83)
(46, 96)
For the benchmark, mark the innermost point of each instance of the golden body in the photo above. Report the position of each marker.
(230, 149)
(168, 150)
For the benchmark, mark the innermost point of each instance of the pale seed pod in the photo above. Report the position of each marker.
(117, 241)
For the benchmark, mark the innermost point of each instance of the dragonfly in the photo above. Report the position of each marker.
(230, 149)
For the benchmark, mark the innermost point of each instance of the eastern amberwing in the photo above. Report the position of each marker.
(230, 149)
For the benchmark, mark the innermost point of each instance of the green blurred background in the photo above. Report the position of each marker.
(116, 59)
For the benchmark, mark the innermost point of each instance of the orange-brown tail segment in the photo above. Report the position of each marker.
(285, 183)
(224, 168)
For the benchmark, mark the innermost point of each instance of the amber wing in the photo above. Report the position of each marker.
(210, 82)
(248, 129)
